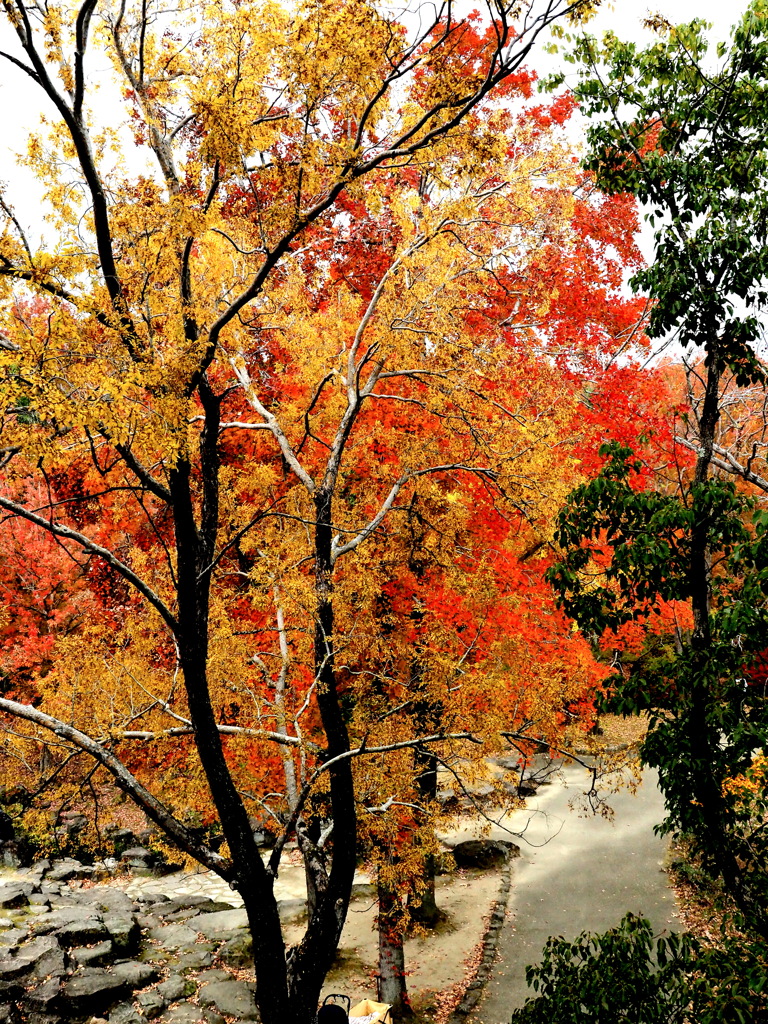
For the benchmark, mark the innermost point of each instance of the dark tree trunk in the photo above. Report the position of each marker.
(311, 960)
(391, 986)
(704, 733)
(427, 718)
(426, 912)
(287, 989)
(194, 549)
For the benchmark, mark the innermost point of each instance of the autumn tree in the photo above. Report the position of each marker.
(172, 290)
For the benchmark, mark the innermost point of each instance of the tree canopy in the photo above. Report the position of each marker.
(290, 400)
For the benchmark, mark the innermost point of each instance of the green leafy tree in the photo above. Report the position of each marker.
(690, 142)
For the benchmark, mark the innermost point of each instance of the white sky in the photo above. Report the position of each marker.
(20, 104)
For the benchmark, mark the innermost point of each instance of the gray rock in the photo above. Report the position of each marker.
(44, 995)
(45, 956)
(52, 962)
(213, 1018)
(10, 938)
(13, 967)
(15, 894)
(41, 957)
(124, 1013)
(39, 899)
(151, 1002)
(134, 973)
(165, 907)
(82, 931)
(483, 853)
(141, 869)
(237, 951)
(63, 917)
(176, 987)
(151, 954)
(148, 921)
(124, 931)
(93, 955)
(67, 898)
(174, 936)
(221, 924)
(9, 1014)
(64, 870)
(137, 853)
(93, 988)
(194, 960)
(181, 910)
(360, 891)
(232, 998)
(11, 990)
(34, 1017)
(107, 899)
(39, 868)
(182, 1013)
(508, 763)
(291, 910)
(140, 861)
(207, 976)
(447, 798)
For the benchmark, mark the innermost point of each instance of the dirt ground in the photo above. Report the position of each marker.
(435, 962)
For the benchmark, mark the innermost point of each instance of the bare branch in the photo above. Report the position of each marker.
(270, 422)
(274, 860)
(226, 730)
(390, 500)
(58, 530)
(728, 463)
(127, 782)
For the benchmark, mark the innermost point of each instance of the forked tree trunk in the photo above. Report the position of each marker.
(287, 987)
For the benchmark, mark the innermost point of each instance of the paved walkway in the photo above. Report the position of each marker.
(574, 874)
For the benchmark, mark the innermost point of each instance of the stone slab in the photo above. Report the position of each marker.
(221, 924)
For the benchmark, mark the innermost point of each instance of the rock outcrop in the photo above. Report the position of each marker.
(80, 952)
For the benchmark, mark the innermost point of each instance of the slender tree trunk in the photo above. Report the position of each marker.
(427, 719)
(391, 986)
(704, 734)
(311, 960)
(287, 987)
(427, 912)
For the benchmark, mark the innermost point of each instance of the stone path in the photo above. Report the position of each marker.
(577, 873)
(290, 884)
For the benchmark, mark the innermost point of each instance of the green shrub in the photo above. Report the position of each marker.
(626, 976)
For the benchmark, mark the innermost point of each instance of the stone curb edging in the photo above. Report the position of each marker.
(490, 943)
